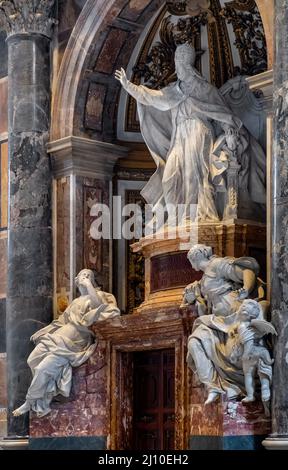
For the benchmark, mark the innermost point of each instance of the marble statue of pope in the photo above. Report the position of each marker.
(179, 125)
(67, 342)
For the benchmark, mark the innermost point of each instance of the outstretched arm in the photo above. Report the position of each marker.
(142, 94)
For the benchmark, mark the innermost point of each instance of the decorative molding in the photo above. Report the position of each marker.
(84, 157)
(276, 443)
(3, 136)
(27, 16)
(14, 444)
(263, 82)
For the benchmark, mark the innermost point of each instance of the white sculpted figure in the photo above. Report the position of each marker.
(226, 282)
(67, 342)
(250, 328)
(181, 124)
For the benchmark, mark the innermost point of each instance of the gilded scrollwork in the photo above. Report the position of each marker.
(159, 68)
(250, 37)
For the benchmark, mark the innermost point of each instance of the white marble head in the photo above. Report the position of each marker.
(185, 56)
(185, 53)
(250, 310)
(199, 254)
(83, 275)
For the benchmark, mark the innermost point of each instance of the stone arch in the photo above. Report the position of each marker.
(95, 15)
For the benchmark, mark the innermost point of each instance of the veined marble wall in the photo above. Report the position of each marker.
(86, 412)
(3, 228)
(74, 248)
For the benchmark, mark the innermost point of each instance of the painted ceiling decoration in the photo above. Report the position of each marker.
(228, 37)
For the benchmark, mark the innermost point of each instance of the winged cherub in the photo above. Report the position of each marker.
(250, 330)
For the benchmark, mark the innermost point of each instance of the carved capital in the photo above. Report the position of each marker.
(27, 16)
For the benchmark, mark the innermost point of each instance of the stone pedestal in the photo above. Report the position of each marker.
(227, 425)
(167, 270)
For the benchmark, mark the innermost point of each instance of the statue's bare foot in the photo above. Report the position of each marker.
(213, 396)
(22, 409)
(248, 399)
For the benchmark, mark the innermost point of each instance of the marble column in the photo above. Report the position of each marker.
(29, 294)
(279, 206)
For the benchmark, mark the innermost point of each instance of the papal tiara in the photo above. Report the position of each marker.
(185, 51)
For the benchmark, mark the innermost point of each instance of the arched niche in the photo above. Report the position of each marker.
(94, 42)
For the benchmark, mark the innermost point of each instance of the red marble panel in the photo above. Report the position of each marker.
(3, 105)
(85, 412)
(94, 106)
(228, 419)
(3, 264)
(93, 248)
(110, 50)
(63, 234)
(206, 420)
(95, 252)
(245, 419)
(134, 9)
(171, 270)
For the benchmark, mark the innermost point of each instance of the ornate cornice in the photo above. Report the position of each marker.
(85, 157)
(27, 16)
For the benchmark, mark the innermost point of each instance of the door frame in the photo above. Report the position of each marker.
(121, 397)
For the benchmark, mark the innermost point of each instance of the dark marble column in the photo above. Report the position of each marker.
(29, 295)
(279, 229)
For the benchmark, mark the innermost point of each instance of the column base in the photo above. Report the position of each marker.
(14, 443)
(276, 443)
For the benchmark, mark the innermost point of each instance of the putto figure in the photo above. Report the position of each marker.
(226, 282)
(180, 125)
(250, 329)
(67, 342)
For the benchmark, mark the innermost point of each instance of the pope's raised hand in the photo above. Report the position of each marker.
(121, 76)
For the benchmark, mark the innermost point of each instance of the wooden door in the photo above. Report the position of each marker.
(154, 400)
